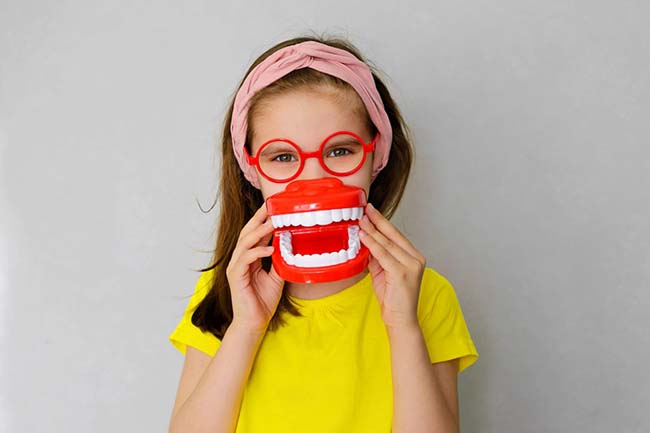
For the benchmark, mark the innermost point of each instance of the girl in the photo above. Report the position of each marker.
(376, 352)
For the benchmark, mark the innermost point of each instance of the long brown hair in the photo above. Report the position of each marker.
(240, 199)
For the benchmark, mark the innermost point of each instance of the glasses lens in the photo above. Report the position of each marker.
(343, 153)
(279, 160)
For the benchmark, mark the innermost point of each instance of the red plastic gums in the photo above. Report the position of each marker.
(305, 196)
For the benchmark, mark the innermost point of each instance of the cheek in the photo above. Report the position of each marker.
(361, 178)
(269, 188)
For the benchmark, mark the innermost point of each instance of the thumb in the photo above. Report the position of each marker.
(275, 277)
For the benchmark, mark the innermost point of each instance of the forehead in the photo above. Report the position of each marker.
(307, 117)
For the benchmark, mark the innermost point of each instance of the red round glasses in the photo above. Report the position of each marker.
(341, 153)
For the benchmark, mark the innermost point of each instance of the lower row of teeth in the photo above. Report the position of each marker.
(325, 259)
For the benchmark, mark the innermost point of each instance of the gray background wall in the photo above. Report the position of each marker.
(530, 193)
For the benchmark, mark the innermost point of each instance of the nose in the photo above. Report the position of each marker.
(313, 170)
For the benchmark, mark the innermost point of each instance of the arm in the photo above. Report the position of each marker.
(213, 405)
(424, 394)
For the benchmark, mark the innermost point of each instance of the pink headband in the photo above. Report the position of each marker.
(321, 57)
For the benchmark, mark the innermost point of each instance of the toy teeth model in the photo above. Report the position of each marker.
(316, 236)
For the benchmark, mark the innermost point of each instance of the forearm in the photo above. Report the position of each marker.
(418, 401)
(214, 404)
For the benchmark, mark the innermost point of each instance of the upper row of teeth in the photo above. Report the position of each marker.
(318, 217)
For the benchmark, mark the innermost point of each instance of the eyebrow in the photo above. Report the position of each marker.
(343, 139)
(279, 146)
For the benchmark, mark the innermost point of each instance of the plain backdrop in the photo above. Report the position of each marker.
(530, 193)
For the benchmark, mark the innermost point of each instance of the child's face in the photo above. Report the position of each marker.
(306, 118)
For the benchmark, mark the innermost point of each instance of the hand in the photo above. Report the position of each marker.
(255, 293)
(396, 267)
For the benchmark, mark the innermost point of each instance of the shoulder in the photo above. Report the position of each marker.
(201, 288)
(435, 291)
(442, 321)
(433, 283)
(186, 333)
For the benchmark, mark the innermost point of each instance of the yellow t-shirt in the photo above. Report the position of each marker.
(330, 370)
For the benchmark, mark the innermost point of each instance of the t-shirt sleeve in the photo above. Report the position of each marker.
(442, 322)
(186, 333)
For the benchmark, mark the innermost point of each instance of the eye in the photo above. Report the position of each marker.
(339, 151)
(284, 157)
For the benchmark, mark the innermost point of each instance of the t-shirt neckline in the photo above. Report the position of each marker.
(337, 298)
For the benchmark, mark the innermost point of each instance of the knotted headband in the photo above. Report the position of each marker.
(321, 57)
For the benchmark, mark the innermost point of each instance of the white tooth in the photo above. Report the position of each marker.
(275, 220)
(322, 259)
(307, 219)
(311, 260)
(286, 220)
(328, 259)
(323, 217)
(285, 238)
(315, 260)
(337, 215)
(356, 214)
(294, 219)
(343, 255)
(347, 212)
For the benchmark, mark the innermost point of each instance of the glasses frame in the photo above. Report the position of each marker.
(367, 147)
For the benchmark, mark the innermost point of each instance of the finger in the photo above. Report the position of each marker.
(255, 238)
(258, 218)
(255, 253)
(386, 227)
(397, 251)
(240, 268)
(387, 261)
